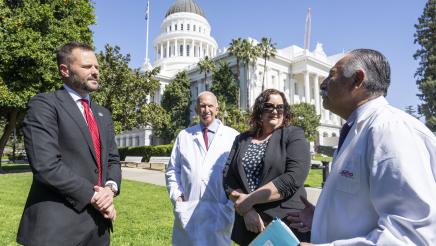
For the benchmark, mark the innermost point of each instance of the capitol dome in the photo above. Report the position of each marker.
(184, 39)
(189, 6)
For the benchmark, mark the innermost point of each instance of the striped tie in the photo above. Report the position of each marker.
(93, 130)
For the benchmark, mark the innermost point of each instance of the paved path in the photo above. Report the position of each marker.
(158, 178)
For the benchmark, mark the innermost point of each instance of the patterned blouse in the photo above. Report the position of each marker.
(253, 163)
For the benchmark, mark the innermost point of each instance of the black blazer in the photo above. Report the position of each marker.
(286, 164)
(64, 167)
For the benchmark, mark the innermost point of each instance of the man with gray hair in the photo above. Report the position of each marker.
(203, 214)
(381, 189)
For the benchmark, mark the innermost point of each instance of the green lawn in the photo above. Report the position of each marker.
(144, 212)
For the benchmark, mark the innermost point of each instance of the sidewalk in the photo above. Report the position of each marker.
(158, 178)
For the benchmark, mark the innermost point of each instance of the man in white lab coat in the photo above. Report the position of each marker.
(203, 214)
(382, 186)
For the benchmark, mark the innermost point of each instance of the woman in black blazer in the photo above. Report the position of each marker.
(266, 169)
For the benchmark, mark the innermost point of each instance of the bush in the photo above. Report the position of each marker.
(146, 151)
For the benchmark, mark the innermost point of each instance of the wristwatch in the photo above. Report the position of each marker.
(113, 188)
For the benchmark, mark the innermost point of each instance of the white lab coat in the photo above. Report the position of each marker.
(206, 216)
(382, 186)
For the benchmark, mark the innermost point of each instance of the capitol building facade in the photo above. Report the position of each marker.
(185, 38)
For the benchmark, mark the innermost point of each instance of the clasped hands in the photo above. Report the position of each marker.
(244, 207)
(103, 202)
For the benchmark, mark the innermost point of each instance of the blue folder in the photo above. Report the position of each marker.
(276, 233)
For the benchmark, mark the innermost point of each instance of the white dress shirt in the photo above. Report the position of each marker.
(382, 186)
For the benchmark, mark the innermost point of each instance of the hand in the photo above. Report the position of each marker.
(242, 204)
(302, 220)
(253, 221)
(234, 195)
(103, 198)
(110, 213)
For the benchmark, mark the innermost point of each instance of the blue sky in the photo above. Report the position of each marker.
(384, 25)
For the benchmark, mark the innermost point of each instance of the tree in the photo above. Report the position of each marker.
(176, 102)
(206, 65)
(30, 33)
(236, 50)
(304, 115)
(267, 49)
(411, 110)
(425, 36)
(249, 57)
(124, 91)
(226, 90)
(224, 85)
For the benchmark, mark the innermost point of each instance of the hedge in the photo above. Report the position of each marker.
(146, 151)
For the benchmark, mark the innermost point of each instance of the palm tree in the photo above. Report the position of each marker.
(250, 54)
(267, 50)
(206, 65)
(235, 49)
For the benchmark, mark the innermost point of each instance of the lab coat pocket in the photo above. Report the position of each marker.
(183, 212)
(348, 178)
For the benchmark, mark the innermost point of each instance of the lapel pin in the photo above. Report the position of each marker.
(100, 114)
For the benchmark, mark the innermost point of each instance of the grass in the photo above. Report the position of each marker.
(314, 179)
(144, 212)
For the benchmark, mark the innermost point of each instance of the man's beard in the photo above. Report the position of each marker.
(81, 84)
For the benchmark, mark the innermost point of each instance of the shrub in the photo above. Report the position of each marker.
(146, 151)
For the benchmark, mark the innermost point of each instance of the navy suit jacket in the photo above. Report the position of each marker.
(62, 157)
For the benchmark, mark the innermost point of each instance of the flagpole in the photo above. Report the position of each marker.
(147, 64)
(308, 30)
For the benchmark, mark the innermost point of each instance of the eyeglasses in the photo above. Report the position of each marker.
(269, 108)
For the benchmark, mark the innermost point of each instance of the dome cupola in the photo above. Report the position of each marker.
(189, 6)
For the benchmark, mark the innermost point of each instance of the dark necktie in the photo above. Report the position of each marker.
(93, 130)
(206, 139)
(344, 131)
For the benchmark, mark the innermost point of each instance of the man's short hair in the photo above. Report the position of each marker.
(63, 54)
(376, 67)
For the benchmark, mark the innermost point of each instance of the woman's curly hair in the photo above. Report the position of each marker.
(256, 114)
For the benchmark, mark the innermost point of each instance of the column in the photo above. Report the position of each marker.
(191, 48)
(184, 47)
(306, 87)
(201, 49)
(161, 50)
(176, 51)
(316, 89)
(168, 49)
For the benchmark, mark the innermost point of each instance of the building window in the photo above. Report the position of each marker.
(181, 27)
(187, 27)
(199, 28)
(137, 140)
(170, 28)
(296, 88)
(194, 28)
(175, 27)
(334, 134)
(325, 134)
(181, 50)
(187, 50)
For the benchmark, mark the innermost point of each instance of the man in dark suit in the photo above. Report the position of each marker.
(74, 159)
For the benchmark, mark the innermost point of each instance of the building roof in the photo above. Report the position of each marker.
(189, 6)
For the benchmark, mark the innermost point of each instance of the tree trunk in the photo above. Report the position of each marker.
(14, 117)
